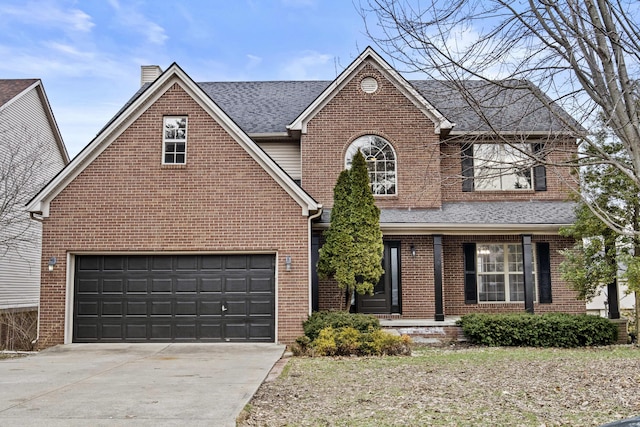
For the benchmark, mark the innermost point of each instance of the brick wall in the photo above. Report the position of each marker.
(564, 299)
(417, 279)
(560, 181)
(387, 113)
(221, 200)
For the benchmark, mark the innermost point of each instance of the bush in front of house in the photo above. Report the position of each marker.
(334, 333)
(546, 330)
(338, 319)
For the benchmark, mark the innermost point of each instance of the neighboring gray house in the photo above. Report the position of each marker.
(31, 153)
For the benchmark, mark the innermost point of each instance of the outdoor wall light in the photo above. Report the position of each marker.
(287, 263)
(52, 261)
(413, 251)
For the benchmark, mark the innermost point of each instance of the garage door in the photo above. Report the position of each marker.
(133, 298)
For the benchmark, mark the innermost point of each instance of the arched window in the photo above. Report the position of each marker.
(381, 162)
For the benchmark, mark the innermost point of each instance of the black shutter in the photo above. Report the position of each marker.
(539, 171)
(470, 285)
(544, 272)
(467, 167)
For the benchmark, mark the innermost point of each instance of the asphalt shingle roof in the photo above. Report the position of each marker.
(265, 107)
(523, 213)
(269, 106)
(9, 88)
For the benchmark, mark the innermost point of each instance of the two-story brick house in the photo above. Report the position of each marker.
(196, 214)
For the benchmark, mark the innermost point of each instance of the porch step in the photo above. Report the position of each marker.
(426, 331)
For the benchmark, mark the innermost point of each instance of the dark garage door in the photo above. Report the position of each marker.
(136, 298)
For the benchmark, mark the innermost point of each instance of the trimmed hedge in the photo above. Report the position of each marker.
(546, 330)
(338, 319)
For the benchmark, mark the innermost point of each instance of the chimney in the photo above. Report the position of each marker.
(149, 73)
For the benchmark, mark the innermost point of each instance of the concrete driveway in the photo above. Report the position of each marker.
(133, 384)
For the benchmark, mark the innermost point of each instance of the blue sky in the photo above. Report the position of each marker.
(88, 53)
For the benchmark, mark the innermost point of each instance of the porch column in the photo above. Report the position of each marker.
(527, 271)
(612, 288)
(612, 300)
(437, 276)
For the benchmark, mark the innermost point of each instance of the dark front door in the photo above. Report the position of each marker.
(386, 298)
(169, 298)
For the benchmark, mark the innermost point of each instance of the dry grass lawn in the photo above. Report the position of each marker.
(455, 387)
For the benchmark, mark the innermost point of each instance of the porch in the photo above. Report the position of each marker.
(425, 331)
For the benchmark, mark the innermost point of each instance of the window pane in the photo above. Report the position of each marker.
(516, 287)
(174, 139)
(491, 287)
(394, 277)
(502, 167)
(381, 162)
(515, 258)
(490, 258)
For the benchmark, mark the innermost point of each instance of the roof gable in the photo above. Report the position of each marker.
(11, 90)
(174, 74)
(370, 56)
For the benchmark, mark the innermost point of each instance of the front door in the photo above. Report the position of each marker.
(386, 296)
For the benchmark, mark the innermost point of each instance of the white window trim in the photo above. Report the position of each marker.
(477, 168)
(506, 273)
(351, 151)
(165, 140)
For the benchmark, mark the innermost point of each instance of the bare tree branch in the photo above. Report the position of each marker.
(580, 57)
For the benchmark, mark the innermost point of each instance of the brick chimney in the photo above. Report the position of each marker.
(149, 73)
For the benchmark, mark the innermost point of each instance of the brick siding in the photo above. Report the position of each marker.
(417, 279)
(388, 113)
(560, 180)
(221, 200)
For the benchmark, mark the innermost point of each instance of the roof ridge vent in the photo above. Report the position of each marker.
(149, 73)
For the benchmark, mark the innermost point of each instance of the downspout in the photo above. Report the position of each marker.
(33, 216)
(309, 279)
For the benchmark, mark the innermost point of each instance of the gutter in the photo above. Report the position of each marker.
(463, 229)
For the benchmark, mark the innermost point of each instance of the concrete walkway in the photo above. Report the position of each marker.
(133, 384)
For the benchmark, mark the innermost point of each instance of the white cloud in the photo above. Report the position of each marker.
(254, 61)
(137, 22)
(311, 65)
(69, 50)
(49, 14)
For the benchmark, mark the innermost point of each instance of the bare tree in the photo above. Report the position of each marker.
(23, 160)
(580, 55)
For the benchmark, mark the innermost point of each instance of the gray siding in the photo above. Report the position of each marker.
(25, 132)
(286, 155)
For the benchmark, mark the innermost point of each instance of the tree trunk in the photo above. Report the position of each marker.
(350, 296)
(637, 298)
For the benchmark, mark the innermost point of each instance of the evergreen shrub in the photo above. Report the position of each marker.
(546, 330)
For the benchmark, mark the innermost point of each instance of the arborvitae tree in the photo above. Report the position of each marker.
(334, 253)
(352, 252)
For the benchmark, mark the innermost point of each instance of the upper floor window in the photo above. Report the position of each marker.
(381, 162)
(174, 140)
(502, 167)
